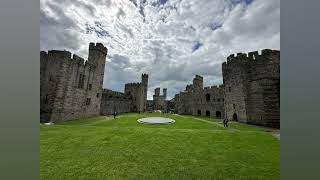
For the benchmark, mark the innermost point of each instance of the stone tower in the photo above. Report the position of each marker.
(164, 93)
(97, 57)
(70, 87)
(252, 87)
(144, 82)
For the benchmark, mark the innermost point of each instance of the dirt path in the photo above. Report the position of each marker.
(272, 131)
(210, 122)
(107, 118)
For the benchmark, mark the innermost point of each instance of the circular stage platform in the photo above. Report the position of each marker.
(156, 120)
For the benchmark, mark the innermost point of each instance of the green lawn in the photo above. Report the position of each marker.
(126, 149)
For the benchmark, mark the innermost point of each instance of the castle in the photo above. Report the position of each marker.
(250, 92)
(71, 88)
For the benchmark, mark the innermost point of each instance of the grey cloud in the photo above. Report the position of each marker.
(158, 37)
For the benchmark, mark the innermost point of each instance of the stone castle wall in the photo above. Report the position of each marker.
(70, 87)
(113, 101)
(252, 87)
(134, 98)
(138, 91)
(196, 100)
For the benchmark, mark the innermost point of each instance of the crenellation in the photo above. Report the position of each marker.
(98, 47)
(59, 54)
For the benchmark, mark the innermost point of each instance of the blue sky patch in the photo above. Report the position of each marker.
(197, 45)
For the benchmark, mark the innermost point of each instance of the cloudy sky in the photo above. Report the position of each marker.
(171, 40)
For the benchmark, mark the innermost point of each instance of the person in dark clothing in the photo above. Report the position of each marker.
(225, 122)
(114, 115)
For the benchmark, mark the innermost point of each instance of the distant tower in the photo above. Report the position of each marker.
(164, 93)
(157, 91)
(144, 83)
(198, 82)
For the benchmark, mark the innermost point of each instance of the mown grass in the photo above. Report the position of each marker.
(126, 149)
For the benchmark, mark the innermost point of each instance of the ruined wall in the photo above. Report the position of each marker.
(113, 101)
(252, 83)
(196, 100)
(70, 87)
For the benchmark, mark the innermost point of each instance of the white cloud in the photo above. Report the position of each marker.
(159, 37)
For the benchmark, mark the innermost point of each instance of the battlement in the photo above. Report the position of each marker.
(109, 91)
(60, 54)
(99, 47)
(215, 87)
(78, 59)
(43, 53)
(198, 77)
(133, 84)
(246, 57)
(145, 75)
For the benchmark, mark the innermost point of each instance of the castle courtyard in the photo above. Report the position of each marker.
(191, 148)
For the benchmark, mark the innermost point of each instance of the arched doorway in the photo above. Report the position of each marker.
(207, 113)
(199, 112)
(218, 114)
(235, 117)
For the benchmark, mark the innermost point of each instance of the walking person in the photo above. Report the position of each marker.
(226, 121)
(114, 115)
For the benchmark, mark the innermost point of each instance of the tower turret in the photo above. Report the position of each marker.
(164, 93)
(97, 57)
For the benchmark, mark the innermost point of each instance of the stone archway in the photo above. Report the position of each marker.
(199, 112)
(218, 114)
(207, 113)
(235, 117)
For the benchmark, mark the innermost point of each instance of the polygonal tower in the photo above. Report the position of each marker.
(97, 56)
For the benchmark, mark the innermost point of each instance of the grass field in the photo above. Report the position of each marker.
(188, 149)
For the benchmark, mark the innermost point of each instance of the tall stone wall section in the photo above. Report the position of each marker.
(113, 101)
(134, 98)
(196, 100)
(70, 87)
(138, 91)
(252, 83)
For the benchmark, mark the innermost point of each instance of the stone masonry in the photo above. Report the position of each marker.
(159, 101)
(196, 100)
(70, 87)
(252, 87)
(134, 98)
